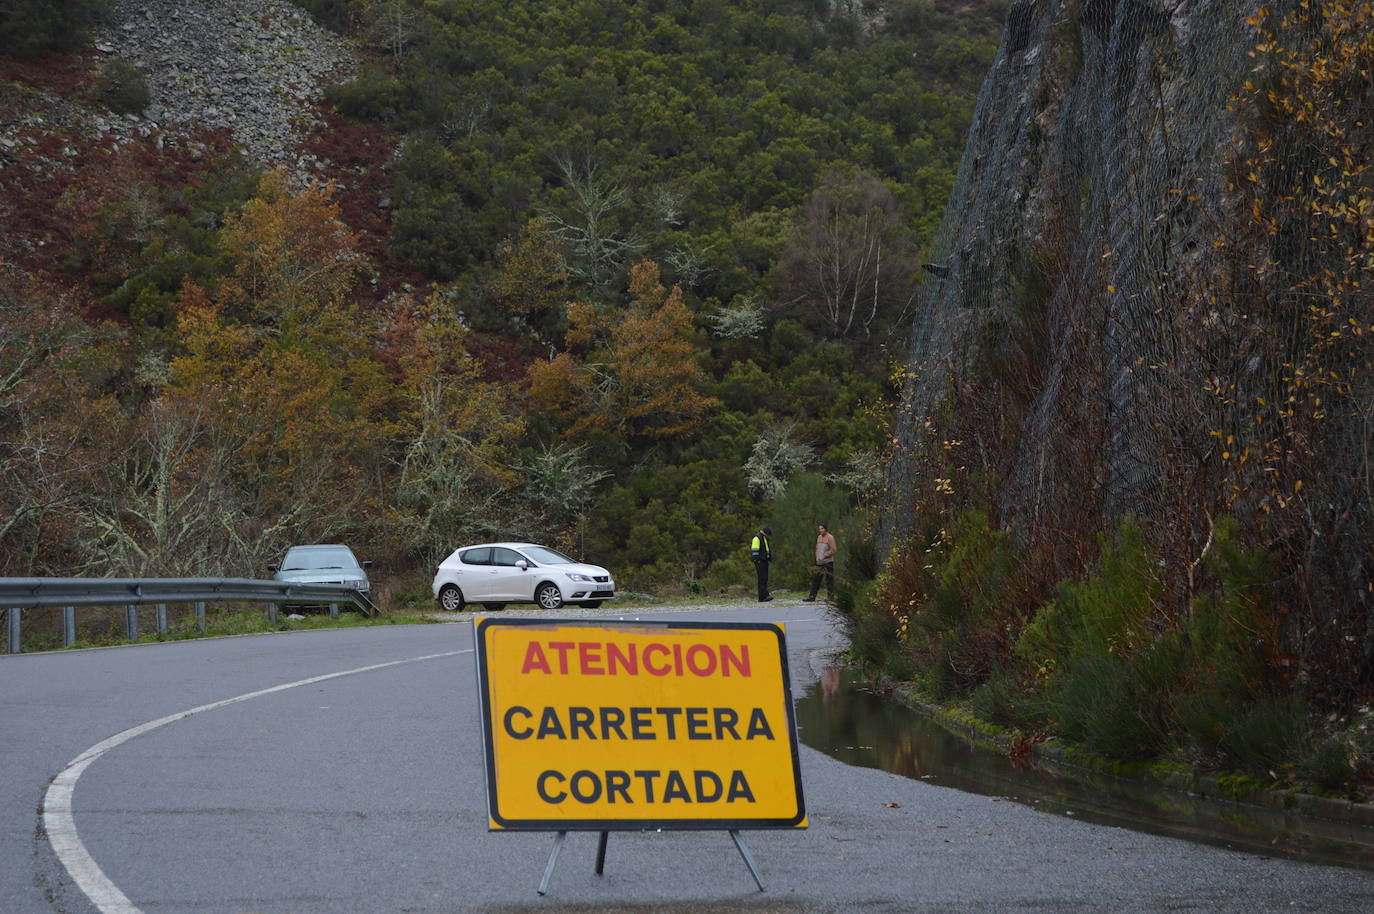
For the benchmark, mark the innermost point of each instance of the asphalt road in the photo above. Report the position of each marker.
(364, 792)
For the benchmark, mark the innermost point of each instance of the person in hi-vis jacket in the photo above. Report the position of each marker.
(762, 555)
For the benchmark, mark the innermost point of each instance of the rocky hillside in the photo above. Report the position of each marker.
(243, 75)
(253, 67)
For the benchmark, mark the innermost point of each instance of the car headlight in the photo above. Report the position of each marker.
(358, 585)
(578, 577)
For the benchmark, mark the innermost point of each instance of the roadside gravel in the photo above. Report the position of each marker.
(614, 611)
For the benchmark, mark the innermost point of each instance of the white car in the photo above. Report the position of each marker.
(495, 574)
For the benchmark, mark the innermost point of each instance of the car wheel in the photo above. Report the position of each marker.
(590, 604)
(548, 596)
(494, 607)
(451, 599)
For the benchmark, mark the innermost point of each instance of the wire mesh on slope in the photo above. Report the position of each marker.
(1151, 297)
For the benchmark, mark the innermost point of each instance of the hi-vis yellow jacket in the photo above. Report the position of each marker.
(758, 547)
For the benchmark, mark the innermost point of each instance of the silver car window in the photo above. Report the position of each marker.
(478, 556)
(503, 556)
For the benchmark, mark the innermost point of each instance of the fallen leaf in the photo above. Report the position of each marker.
(893, 805)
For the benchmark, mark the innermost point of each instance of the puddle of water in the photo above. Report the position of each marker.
(841, 718)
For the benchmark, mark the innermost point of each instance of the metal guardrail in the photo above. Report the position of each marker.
(19, 594)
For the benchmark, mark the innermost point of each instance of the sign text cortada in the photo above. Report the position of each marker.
(605, 725)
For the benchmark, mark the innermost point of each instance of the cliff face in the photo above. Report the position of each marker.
(1124, 282)
(1094, 117)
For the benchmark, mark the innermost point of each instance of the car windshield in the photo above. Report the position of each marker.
(546, 556)
(318, 559)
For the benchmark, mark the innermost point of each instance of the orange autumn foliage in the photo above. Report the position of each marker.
(276, 358)
(632, 374)
(294, 259)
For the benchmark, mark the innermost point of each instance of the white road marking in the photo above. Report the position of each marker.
(60, 825)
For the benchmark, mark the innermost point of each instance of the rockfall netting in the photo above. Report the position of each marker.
(1151, 297)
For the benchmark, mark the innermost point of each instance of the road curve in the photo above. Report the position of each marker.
(338, 771)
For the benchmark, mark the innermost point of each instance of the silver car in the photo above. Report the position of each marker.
(495, 574)
(323, 564)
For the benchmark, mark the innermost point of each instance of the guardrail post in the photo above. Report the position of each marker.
(334, 610)
(162, 618)
(16, 645)
(131, 621)
(68, 626)
(272, 613)
(200, 615)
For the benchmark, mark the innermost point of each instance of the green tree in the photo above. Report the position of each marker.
(849, 260)
(28, 27)
(532, 282)
(459, 435)
(122, 88)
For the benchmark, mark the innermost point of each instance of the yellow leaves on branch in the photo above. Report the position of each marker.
(559, 385)
(584, 327)
(1306, 167)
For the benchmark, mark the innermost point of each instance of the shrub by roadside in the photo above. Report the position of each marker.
(1105, 666)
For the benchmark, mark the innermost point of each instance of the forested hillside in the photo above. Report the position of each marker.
(620, 277)
(634, 278)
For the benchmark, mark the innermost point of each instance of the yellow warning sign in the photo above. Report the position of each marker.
(606, 725)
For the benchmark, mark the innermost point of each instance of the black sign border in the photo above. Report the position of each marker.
(489, 745)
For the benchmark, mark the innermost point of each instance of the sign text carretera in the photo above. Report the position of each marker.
(597, 725)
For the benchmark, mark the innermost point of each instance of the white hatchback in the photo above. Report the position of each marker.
(495, 574)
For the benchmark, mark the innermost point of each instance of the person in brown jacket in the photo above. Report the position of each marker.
(825, 564)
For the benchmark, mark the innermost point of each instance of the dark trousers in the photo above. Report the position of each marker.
(824, 570)
(761, 566)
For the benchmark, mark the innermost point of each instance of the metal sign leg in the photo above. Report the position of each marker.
(601, 853)
(553, 859)
(748, 860)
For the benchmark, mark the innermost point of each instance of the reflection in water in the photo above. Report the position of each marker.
(841, 718)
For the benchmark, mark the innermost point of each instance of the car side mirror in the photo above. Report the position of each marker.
(367, 564)
(273, 568)
(522, 564)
